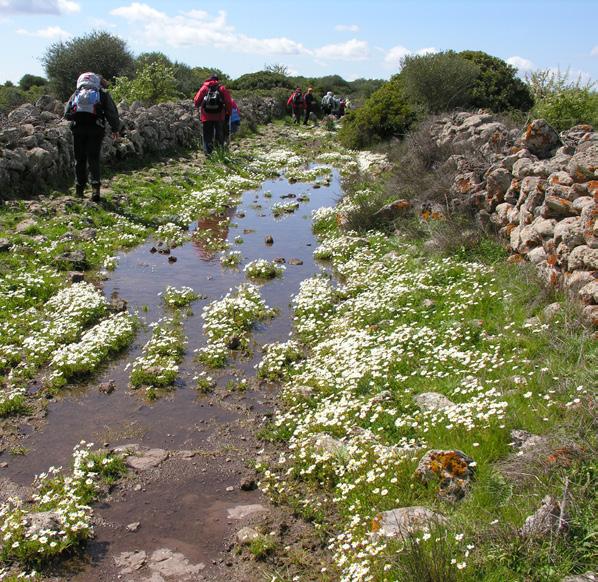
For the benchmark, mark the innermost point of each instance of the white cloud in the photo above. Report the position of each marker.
(594, 51)
(426, 51)
(39, 7)
(51, 32)
(347, 28)
(352, 50)
(521, 63)
(198, 28)
(396, 54)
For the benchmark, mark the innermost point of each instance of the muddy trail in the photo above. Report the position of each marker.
(174, 515)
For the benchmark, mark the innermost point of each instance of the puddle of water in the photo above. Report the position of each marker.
(191, 515)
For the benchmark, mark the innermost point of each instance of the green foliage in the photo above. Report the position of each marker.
(497, 86)
(28, 81)
(262, 545)
(154, 83)
(262, 80)
(100, 52)
(385, 114)
(561, 101)
(11, 96)
(439, 82)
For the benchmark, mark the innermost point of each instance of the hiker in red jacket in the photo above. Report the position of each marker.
(297, 103)
(215, 105)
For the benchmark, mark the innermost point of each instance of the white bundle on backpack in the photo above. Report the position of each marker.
(87, 96)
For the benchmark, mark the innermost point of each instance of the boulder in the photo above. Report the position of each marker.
(569, 231)
(587, 577)
(578, 279)
(555, 207)
(540, 139)
(394, 210)
(25, 225)
(430, 401)
(583, 258)
(403, 522)
(583, 166)
(453, 469)
(546, 521)
(589, 293)
(71, 261)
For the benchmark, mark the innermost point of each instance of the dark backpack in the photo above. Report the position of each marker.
(213, 102)
(297, 99)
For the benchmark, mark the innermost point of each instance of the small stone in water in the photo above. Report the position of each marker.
(269, 240)
(172, 259)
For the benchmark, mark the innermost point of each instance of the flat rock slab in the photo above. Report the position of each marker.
(405, 521)
(243, 511)
(173, 565)
(430, 401)
(130, 562)
(146, 459)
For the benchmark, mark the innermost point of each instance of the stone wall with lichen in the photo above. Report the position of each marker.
(36, 145)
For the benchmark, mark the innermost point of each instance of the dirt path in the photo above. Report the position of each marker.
(192, 488)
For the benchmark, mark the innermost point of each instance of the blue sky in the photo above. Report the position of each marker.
(311, 37)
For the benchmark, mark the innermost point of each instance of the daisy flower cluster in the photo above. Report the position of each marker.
(227, 323)
(263, 269)
(85, 356)
(158, 366)
(180, 297)
(277, 360)
(231, 259)
(171, 234)
(58, 517)
(281, 208)
(395, 327)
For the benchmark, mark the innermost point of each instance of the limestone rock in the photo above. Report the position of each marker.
(174, 565)
(452, 468)
(583, 165)
(405, 521)
(569, 231)
(432, 401)
(587, 577)
(25, 225)
(589, 293)
(243, 511)
(545, 521)
(394, 210)
(71, 261)
(146, 459)
(540, 139)
(130, 562)
(583, 257)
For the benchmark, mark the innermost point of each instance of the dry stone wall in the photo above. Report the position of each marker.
(538, 189)
(36, 144)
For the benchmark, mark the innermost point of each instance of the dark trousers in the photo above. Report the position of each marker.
(213, 131)
(87, 143)
(307, 112)
(297, 114)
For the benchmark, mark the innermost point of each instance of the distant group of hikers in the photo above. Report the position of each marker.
(91, 108)
(303, 105)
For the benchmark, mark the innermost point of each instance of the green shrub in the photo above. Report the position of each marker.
(385, 114)
(100, 52)
(497, 86)
(262, 80)
(28, 81)
(154, 83)
(439, 82)
(561, 101)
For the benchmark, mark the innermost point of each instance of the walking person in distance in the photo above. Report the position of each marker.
(88, 110)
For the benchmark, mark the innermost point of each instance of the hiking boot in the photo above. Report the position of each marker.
(95, 194)
(79, 190)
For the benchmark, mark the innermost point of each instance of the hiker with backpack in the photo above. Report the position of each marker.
(327, 103)
(215, 106)
(88, 109)
(310, 101)
(297, 104)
